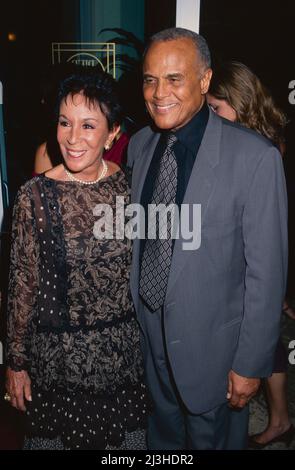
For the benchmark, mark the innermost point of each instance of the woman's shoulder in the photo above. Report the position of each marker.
(42, 160)
(112, 168)
(41, 150)
(56, 173)
(26, 190)
(24, 195)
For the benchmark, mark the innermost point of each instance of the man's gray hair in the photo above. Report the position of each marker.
(179, 33)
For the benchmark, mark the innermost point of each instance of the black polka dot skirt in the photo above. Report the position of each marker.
(87, 421)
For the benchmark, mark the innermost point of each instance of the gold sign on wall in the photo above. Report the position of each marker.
(87, 53)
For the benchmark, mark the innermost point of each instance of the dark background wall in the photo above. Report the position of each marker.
(22, 64)
(260, 34)
(159, 15)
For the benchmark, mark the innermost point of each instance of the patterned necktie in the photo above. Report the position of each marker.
(157, 253)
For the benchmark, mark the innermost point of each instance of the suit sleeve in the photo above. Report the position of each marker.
(266, 253)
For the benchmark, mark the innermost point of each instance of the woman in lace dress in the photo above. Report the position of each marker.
(74, 362)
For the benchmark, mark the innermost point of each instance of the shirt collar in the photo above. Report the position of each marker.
(191, 134)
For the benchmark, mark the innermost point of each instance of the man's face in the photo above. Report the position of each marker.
(174, 82)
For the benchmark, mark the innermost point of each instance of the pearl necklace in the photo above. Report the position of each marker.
(102, 175)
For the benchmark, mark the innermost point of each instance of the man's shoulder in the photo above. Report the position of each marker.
(242, 135)
(142, 135)
(244, 149)
(137, 142)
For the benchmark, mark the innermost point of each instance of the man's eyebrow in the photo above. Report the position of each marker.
(174, 75)
(169, 75)
(145, 75)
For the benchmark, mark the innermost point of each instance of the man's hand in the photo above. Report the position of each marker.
(241, 389)
(18, 386)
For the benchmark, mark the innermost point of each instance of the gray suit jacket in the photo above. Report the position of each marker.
(224, 300)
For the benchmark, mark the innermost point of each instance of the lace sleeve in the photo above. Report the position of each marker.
(23, 280)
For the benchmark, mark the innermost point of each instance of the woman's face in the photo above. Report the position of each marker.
(221, 107)
(82, 133)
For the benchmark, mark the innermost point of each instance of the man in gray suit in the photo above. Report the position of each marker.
(210, 316)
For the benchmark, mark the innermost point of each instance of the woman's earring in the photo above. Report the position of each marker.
(107, 146)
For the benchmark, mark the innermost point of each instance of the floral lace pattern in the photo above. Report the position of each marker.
(97, 349)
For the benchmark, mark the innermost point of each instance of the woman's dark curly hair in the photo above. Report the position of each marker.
(98, 87)
(235, 83)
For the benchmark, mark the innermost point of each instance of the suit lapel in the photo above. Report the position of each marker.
(139, 174)
(141, 167)
(199, 190)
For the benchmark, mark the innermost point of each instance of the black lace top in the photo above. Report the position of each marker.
(71, 321)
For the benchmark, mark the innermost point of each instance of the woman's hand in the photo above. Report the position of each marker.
(18, 386)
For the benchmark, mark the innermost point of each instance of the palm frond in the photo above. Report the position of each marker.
(128, 39)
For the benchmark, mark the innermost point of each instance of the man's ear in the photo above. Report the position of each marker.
(205, 81)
